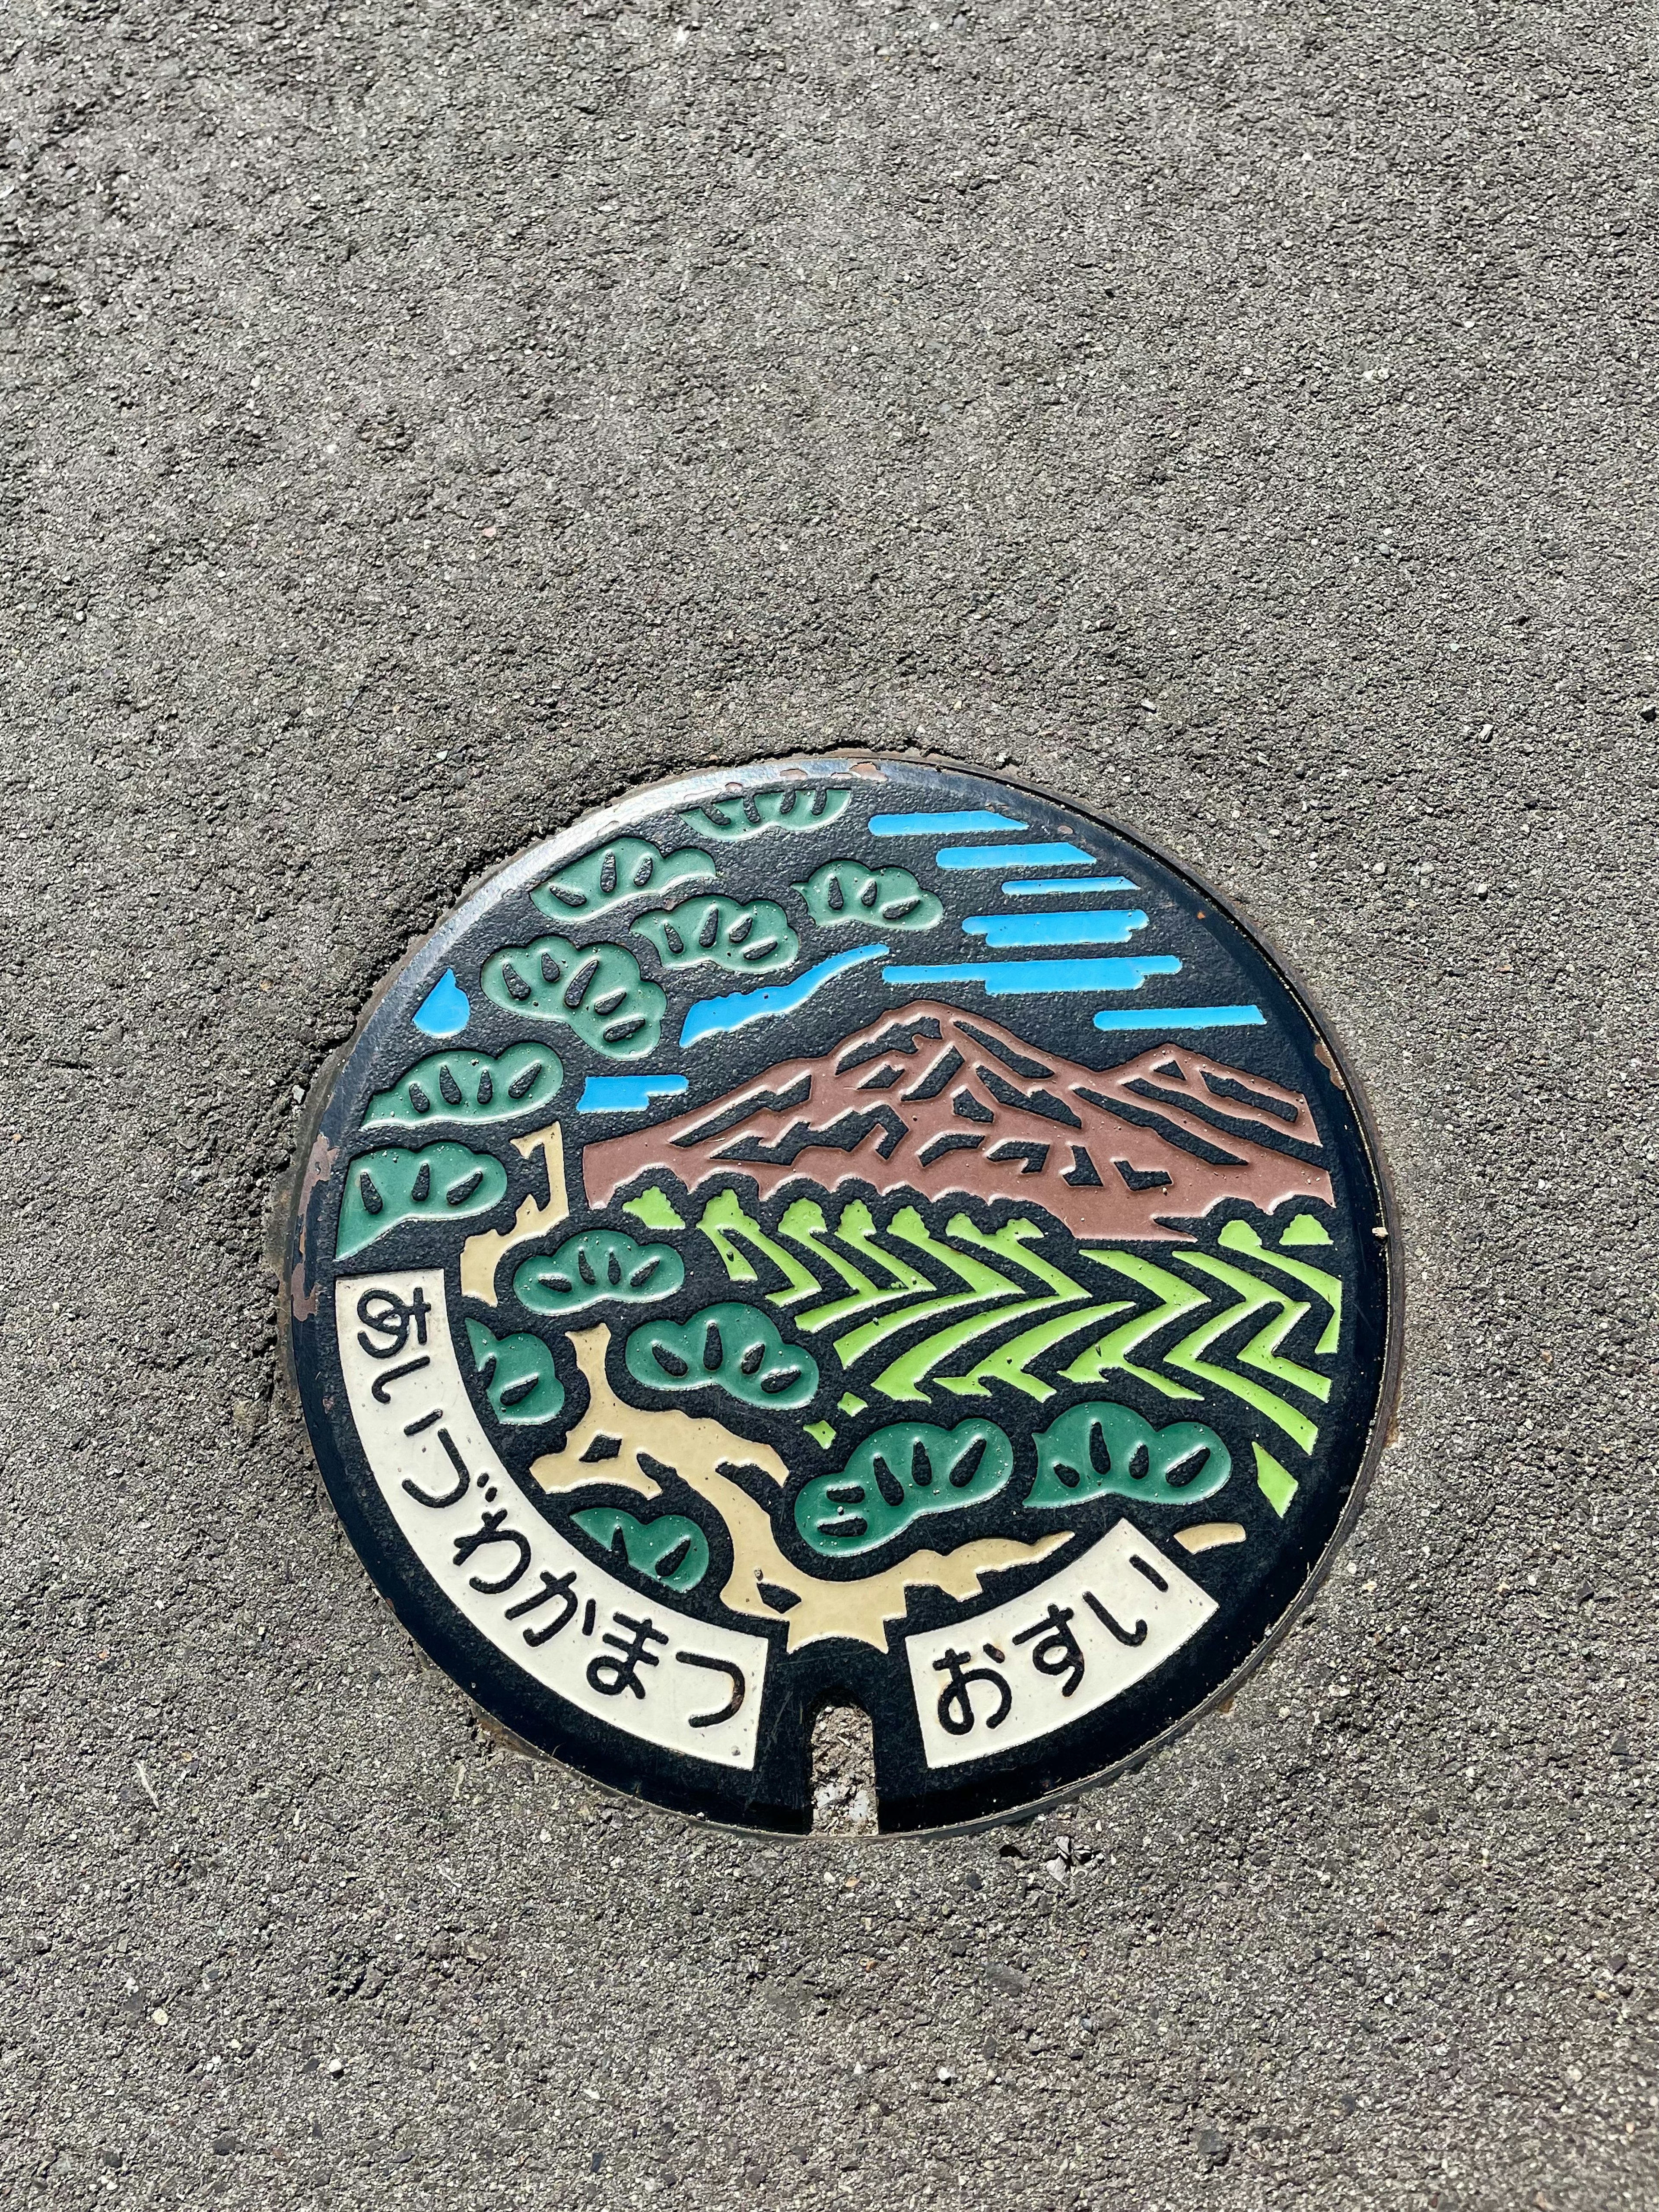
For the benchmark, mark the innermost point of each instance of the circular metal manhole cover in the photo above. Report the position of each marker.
(842, 1230)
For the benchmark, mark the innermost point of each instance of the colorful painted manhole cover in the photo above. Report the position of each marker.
(843, 1231)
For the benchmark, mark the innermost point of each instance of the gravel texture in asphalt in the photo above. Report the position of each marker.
(421, 422)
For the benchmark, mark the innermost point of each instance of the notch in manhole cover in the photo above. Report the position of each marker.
(843, 1234)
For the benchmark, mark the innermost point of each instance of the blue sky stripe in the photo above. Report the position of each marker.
(737, 1009)
(1067, 884)
(940, 825)
(1012, 856)
(1179, 1018)
(1004, 978)
(626, 1094)
(1104, 926)
(445, 1010)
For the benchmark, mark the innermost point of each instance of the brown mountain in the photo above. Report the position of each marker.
(937, 1101)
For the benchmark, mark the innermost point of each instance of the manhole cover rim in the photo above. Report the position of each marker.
(534, 863)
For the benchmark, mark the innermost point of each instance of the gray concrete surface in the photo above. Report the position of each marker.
(421, 419)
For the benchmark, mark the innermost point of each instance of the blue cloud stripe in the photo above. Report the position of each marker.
(626, 1094)
(1067, 884)
(1012, 856)
(1179, 1018)
(1104, 926)
(445, 1010)
(1004, 978)
(940, 825)
(712, 1016)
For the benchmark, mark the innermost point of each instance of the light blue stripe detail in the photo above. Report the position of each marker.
(1012, 856)
(712, 1016)
(1002, 978)
(1068, 884)
(626, 1094)
(1107, 925)
(445, 1010)
(1180, 1018)
(939, 825)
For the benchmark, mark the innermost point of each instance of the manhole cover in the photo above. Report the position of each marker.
(842, 1230)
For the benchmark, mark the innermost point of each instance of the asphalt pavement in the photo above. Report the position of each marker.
(421, 422)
